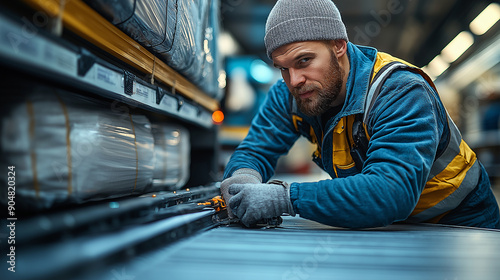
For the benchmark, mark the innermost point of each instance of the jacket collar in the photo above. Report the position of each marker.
(361, 61)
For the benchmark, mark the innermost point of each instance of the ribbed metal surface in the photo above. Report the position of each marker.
(302, 249)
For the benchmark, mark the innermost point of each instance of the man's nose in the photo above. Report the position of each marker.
(297, 79)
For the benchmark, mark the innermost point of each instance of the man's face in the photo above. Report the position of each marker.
(312, 74)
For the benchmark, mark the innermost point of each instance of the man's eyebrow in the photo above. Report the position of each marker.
(302, 55)
(298, 57)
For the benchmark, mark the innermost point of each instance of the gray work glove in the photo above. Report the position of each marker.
(240, 176)
(254, 202)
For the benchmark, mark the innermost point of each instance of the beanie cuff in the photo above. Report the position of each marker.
(304, 29)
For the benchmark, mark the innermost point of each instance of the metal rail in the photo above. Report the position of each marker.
(110, 215)
(62, 244)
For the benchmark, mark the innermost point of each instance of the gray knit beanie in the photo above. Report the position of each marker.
(302, 20)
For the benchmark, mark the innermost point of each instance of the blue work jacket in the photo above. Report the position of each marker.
(408, 129)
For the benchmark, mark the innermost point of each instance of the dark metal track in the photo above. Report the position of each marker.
(110, 214)
(75, 241)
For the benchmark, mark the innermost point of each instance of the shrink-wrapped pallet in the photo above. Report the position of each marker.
(172, 157)
(149, 22)
(184, 55)
(67, 149)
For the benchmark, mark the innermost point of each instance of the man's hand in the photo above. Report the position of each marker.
(240, 176)
(254, 202)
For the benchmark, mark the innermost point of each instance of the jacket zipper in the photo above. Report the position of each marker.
(323, 144)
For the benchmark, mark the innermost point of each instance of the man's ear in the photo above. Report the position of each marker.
(340, 47)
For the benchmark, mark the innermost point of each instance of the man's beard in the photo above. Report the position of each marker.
(323, 99)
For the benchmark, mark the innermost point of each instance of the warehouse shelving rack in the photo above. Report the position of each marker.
(105, 62)
(90, 56)
(157, 88)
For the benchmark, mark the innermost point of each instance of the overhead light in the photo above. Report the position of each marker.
(222, 79)
(261, 72)
(437, 66)
(227, 44)
(486, 19)
(457, 46)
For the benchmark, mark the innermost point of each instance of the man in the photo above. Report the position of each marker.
(414, 167)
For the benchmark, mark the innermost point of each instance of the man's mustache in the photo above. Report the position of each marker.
(304, 89)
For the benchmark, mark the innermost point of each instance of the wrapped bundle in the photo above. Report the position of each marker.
(145, 21)
(210, 73)
(194, 48)
(183, 54)
(172, 157)
(199, 11)
(182, 33)
(67, 149)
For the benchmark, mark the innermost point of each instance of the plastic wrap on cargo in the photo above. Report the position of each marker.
(145, 21)
(171, 16)
(212, 62)
(183, 54)
(66, 149)
(172, 157)
(194, 47)
(204, 70)
(195, 71)
(182, 33)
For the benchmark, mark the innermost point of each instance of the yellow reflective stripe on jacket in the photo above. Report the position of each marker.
(384, 59)
(453, 175)
(446, 190)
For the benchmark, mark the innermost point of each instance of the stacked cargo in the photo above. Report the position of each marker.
(172, 154)
(180, 32)
(70, 149)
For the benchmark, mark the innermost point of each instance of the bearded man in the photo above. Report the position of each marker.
(381, 130)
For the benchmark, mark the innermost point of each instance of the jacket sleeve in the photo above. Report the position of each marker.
(271, 135)
(405, 125)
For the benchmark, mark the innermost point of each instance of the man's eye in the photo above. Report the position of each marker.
(304, 60)
(282, 69)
